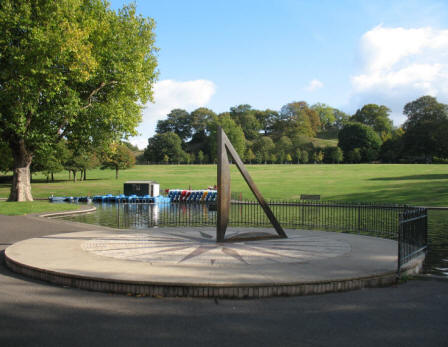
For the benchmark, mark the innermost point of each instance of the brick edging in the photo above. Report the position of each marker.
(67, 213)
(210, 291)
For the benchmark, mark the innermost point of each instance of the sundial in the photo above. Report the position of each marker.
(198, 246)
(225, 148)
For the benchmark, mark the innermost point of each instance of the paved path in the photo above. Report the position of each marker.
(37, 314)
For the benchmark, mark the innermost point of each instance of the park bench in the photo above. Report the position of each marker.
(309, 197)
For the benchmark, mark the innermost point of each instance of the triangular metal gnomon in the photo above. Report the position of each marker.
(225, 147)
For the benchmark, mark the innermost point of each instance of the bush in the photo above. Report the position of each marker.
(355, 137)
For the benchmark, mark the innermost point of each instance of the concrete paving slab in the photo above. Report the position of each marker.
(306, 262)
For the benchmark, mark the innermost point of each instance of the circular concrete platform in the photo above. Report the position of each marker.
(189, 262)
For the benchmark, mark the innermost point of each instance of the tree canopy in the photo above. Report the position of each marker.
(299, 118)
(233, 132)
(426, 119)
(268, 136)
(165, 147)
(362, 137)
(178, 121)
(244, 116)
(72, 69)
(326, 115)
(375, 116)
(118, 157)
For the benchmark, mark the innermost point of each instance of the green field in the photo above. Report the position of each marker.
(410, 184)
(422, 185)
(20, 208)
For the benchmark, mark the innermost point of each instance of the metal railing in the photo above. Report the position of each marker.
(412, 235)
(405, 224)
(360, 218)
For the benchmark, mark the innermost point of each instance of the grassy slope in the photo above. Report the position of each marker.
(20, 208)
(324, 142)
(412, 184)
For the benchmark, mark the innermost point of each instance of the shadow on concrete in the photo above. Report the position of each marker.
(412, 314)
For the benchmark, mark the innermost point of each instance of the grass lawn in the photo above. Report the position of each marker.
(410, 184)
(20, 208)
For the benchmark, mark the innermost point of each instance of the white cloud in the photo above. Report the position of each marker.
(168, 95)
(314, 85)
(401, 65)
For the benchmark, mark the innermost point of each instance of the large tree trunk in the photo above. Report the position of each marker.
(21, 179)
(116, 173)
(85, 170)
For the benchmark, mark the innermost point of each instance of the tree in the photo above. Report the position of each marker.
(266, 119)
(422, 135)
(298, 155)
(375, 116)
(318, 156)
(341, 118)
(6, 160)
(233, 132)
(297, 118)
(300, 141)
(354, 156)
(250, 156)
(305, 156)
(74, 163)
(442, 137)
(283, 148)
(263, 147)
(178, 121)
(70, 69)
(201, 157)
(326, 115)
(132, 147)
(357, 135)
(51, 160)
(200, 120)
(244, 116)
(165, 144)
(333, 155)
(392, 149)
(89, 160)
(118, 157)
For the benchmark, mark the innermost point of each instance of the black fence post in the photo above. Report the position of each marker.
(400, 241)
(359, 218)
(118, 215)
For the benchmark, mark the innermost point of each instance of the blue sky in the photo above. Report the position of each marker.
(268, 53)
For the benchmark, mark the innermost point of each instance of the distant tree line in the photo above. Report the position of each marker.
(369, 135)
(298, 133)
(259, 136)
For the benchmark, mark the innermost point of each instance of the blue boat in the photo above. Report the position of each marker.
(57, 198)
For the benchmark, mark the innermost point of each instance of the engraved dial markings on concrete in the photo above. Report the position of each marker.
(199, 247)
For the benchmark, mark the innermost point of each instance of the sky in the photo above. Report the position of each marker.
(344, 53)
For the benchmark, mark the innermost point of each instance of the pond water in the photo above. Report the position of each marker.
(147, 216)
